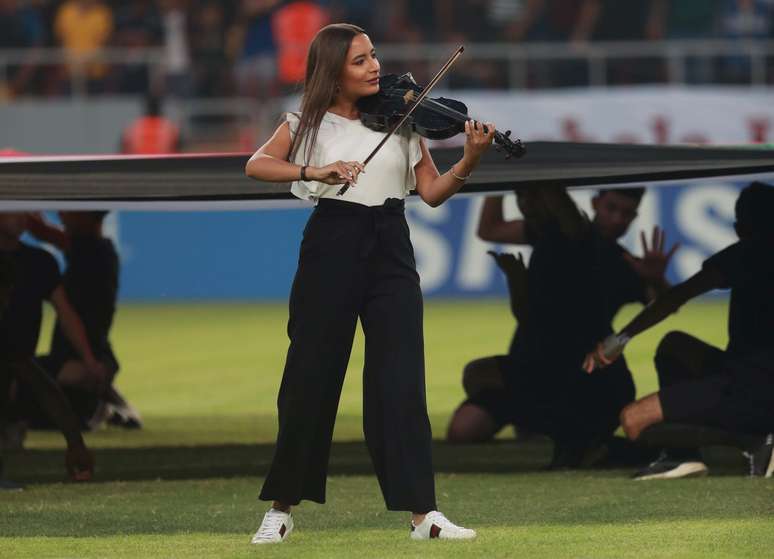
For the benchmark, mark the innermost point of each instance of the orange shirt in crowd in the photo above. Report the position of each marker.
(151, 135)
(294, 26)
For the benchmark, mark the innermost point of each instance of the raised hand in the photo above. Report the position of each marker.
(509, 264)
(653, 264)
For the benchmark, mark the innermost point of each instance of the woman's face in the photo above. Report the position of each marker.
(360, 75)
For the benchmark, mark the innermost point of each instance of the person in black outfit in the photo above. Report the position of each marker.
(30, 275)
(585, 272)
(91, 284)
(700, 385)
(356, 261)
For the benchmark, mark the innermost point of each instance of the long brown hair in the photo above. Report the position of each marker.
(324, 63)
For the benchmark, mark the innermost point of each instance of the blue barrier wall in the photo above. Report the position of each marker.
(253, 255)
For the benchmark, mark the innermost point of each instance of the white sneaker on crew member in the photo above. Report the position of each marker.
(436, 525)
(276, 526)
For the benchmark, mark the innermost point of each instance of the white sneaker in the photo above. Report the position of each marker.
(436, 525)
(124, 415)
(276, 526)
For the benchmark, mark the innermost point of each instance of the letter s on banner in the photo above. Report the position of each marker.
(705, 215)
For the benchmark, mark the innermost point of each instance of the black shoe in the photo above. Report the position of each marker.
(667, 467)
(762, 459)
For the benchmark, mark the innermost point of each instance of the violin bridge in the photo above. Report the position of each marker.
(409, 97)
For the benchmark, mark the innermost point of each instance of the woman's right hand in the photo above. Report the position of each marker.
(340, 172)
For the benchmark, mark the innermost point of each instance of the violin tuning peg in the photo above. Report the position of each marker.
(508, 134)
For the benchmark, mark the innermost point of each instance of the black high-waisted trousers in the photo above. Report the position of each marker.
(355, 261)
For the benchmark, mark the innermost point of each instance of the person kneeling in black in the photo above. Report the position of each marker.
(731, 390)
(27, 276)
(91, 284)
(586, 271)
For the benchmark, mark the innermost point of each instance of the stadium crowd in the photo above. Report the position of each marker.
(215, 48)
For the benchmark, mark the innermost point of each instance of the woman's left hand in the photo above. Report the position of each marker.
(477, 140)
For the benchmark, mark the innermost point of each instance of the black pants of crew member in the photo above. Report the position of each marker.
(355, 261)
(700, 384)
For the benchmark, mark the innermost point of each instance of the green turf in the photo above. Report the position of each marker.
(205, 378)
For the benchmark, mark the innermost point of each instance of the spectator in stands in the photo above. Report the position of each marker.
(83, 27)
(526, 388)
(503, 15)
(414, 22)
(686, 19)
(294, 25)
(208, 49)
(152, 133)
(256, 52)
(20, 28)
(177, 55)
(743, 19)
(700, 384)
(138, 26)
(557, 20)
(626, 21)
(367, 15)
(463, 22)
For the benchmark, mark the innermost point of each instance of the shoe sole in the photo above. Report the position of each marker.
(688, 469)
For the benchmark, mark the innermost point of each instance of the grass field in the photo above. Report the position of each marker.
(205, 378)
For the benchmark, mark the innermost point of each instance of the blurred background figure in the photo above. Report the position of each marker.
(138, 26)
(175, 21)
(152, 133)
(743, 19)
(212, 72)
(294, 25)
(21, 27)
(254, 48)
(82, 28)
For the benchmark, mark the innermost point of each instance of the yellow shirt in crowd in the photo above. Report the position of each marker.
(83, 28)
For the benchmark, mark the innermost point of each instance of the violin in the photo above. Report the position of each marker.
(435, 119)
(399, 97)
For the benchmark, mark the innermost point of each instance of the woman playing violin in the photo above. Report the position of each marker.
(356, 260)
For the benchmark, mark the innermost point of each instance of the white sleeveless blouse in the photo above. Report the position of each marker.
(390, 174)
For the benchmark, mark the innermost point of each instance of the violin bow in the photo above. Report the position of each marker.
(438, 76)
